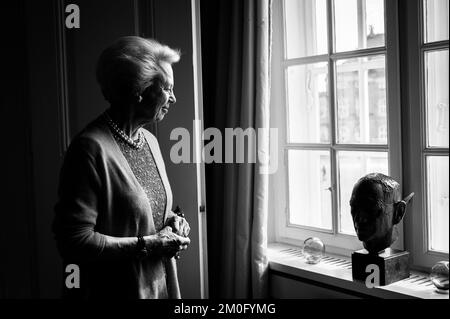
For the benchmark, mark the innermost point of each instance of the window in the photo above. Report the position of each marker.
(336, 88)
(429, 140)
(333, 65)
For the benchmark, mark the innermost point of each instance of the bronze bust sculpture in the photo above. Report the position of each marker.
(376, 208)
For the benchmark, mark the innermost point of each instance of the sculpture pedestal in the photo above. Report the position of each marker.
(393, 265)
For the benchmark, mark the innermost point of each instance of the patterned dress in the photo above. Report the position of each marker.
(143, 165)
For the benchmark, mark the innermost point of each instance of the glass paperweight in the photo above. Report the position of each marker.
(313, 250)
(439, 276)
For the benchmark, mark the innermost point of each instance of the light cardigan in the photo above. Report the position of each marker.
(99, 196)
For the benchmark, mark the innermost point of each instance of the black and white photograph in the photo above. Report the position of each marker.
(233, 156)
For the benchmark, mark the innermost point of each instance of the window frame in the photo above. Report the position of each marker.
(294, 234)
(414, 102)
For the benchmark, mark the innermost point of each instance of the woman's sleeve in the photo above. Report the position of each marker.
(77, 208)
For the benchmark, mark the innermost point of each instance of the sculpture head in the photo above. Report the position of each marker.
(377, 207)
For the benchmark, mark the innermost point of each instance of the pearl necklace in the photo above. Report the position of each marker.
(120, 133)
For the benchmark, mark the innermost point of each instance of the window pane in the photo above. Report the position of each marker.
(359, 24)
(361, 99)
(308, 107)
(436, 20)
(436, 70)
(309, 188)
(306, 27)
(353, 166)
(437, 180)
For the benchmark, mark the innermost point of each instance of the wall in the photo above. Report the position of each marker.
(286, 287)
(17, 234)
(101, 23)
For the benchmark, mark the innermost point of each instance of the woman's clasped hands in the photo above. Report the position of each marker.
(170, 240)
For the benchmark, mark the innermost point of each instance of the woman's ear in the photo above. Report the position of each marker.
(152, 91)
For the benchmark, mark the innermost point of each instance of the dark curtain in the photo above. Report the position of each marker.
(236, 59)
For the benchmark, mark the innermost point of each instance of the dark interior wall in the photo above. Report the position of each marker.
(100, 26)
(44, 103)
(28, 259)
(17, 232)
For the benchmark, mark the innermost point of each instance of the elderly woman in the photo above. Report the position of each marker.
(113, 217)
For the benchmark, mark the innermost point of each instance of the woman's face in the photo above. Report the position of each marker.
(157, 98)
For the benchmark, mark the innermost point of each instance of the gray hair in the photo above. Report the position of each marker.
(130, 65)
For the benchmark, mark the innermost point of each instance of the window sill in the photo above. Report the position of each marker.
(335, 271)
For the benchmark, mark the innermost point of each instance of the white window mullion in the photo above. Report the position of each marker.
(333, 112)
(364, 101)
(361, 9)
